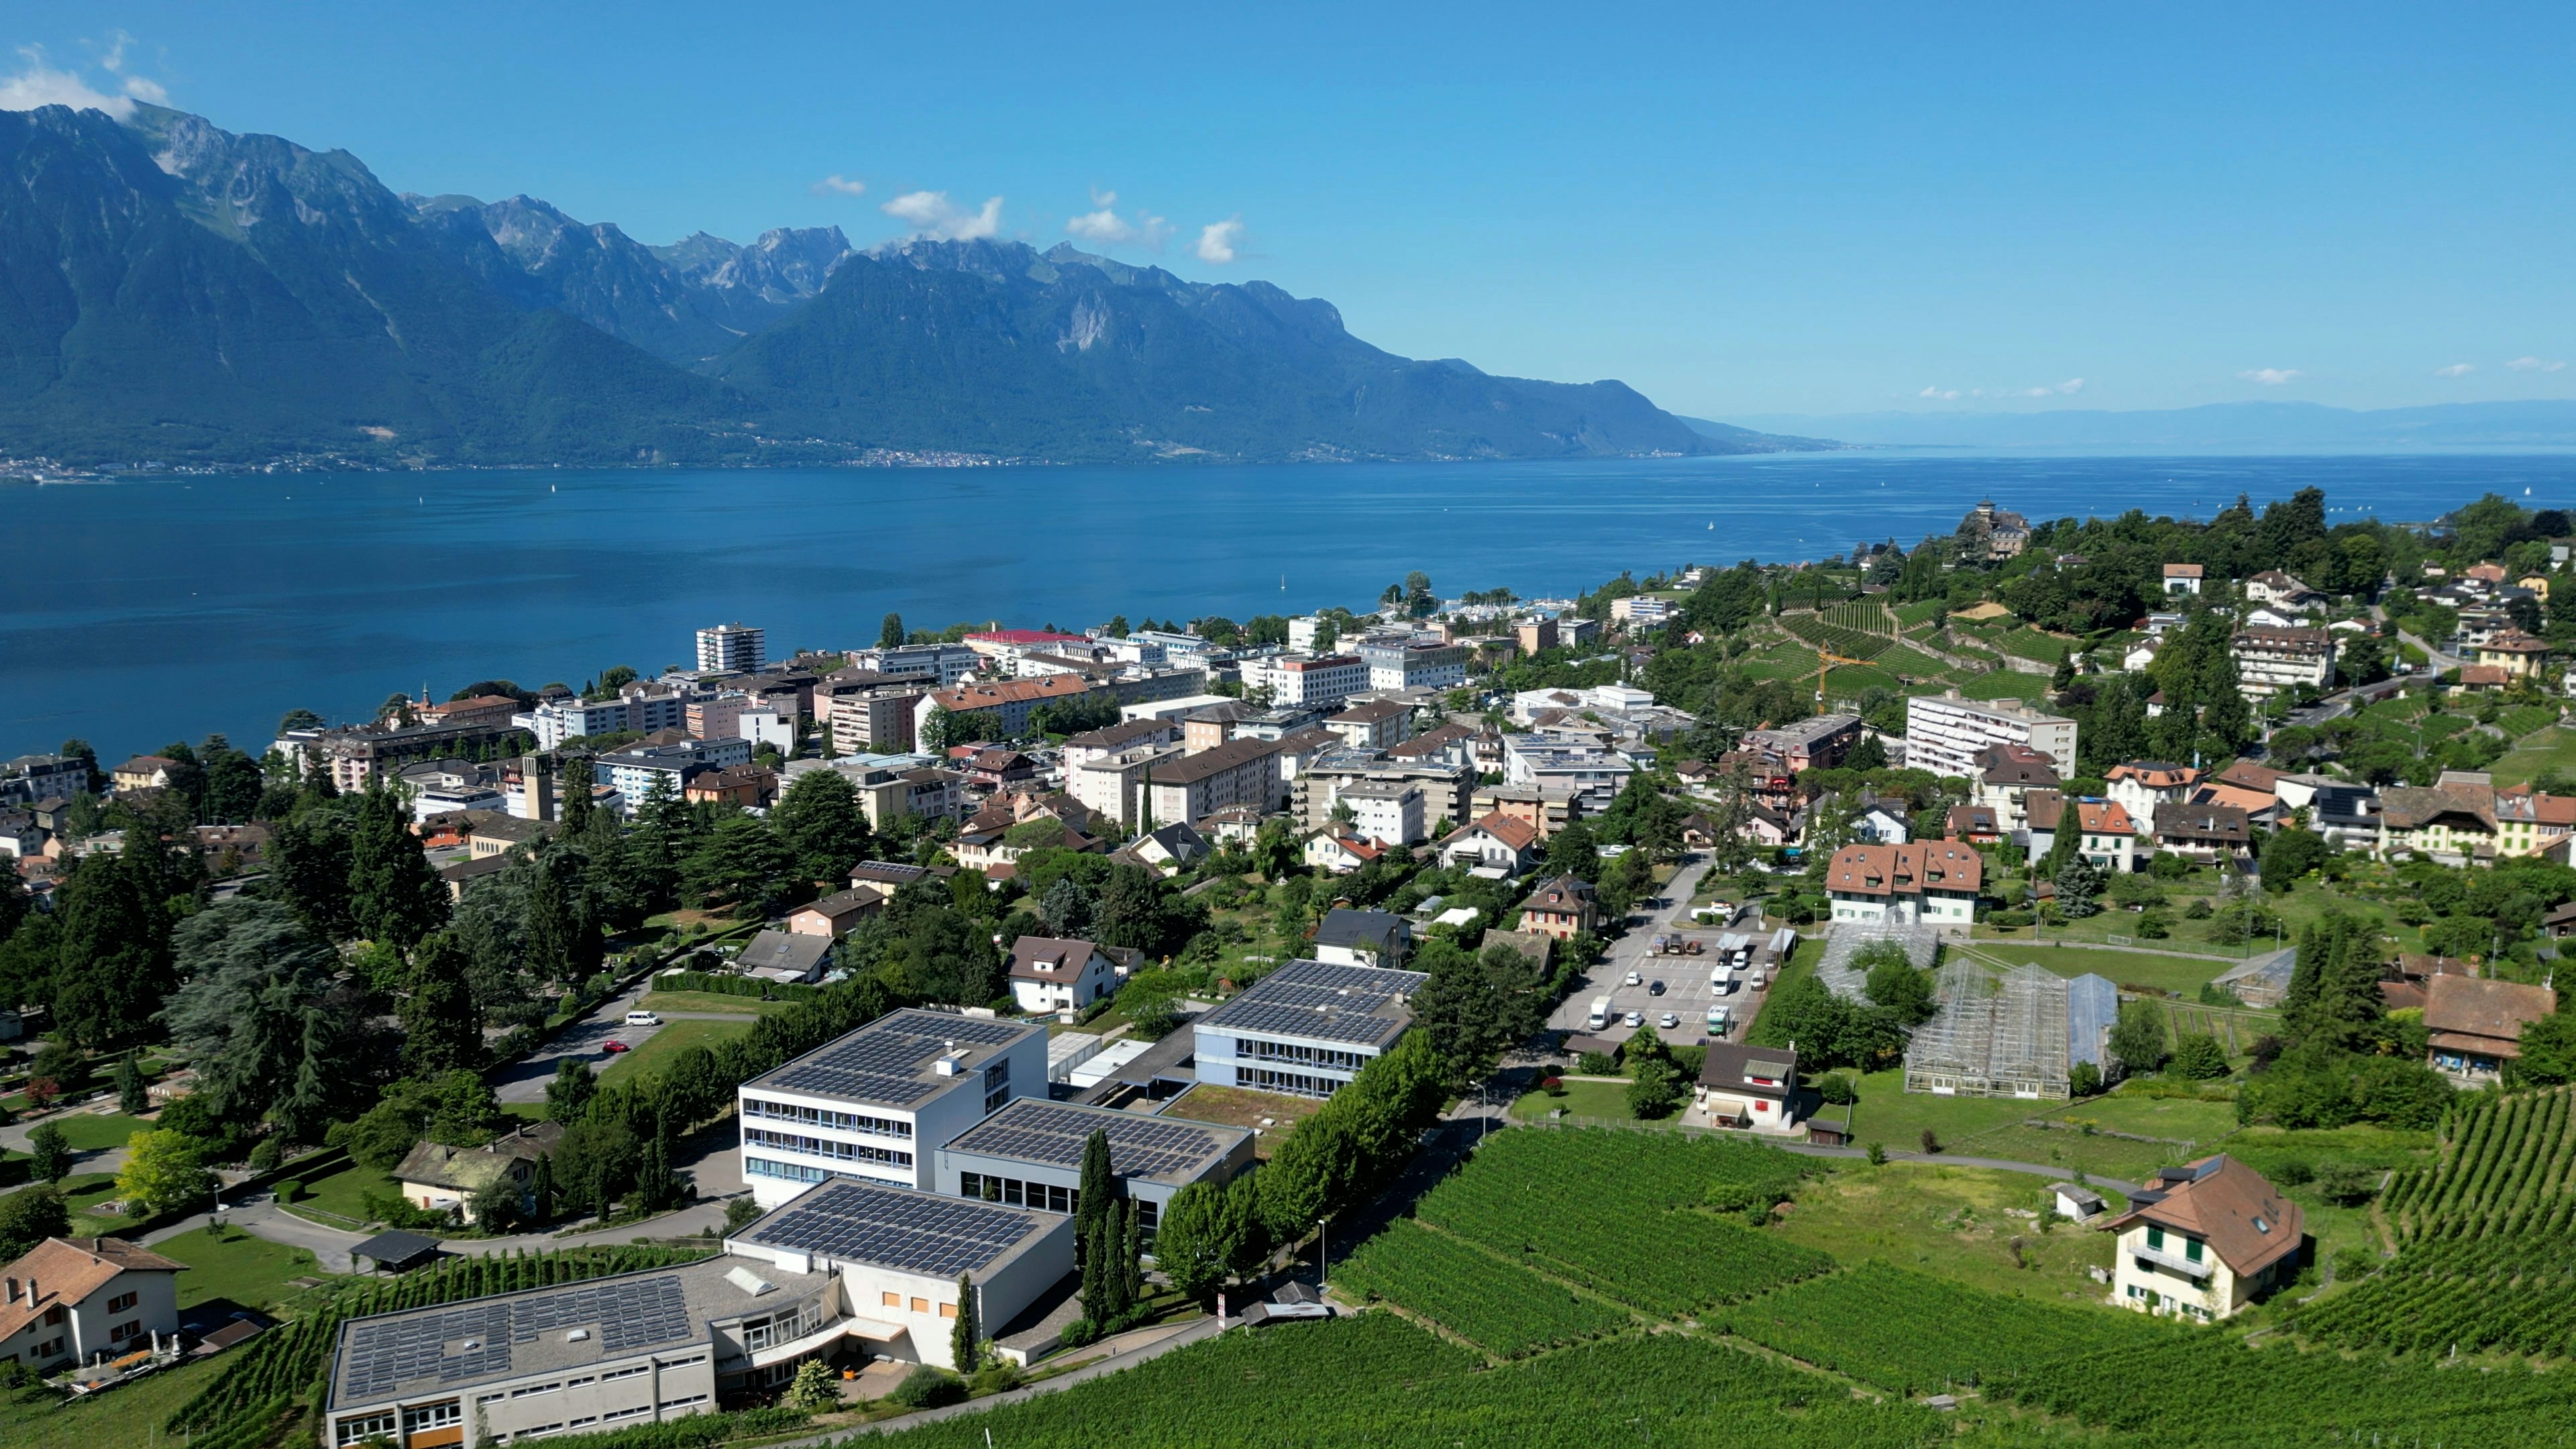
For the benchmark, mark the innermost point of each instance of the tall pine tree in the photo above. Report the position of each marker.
(442, 1031)
(393, 893)
(114, 964)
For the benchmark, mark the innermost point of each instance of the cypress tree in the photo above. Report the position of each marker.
(1093, 1198)
(393, 893)
(1131, 1258)
(966, 1337)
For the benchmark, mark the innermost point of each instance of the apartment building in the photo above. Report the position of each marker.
(2269, 661)
(631, 772)
(1317, 785)
(30, 778)
(1934, 883)
(944, 664)
(732, 649)
(1390, 810)
(872, 1104)
(1306, 1028)
(1307, 681)
(1808, 744)
(1593, 773)
(1372, 726)
(1008, 701)
(1419, 661)
(1945, 733)
(1189, 788)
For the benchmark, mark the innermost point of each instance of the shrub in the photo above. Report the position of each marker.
(1931, 1142)
(2293, 1172)
(1596, 1064)
(2198, 910)
(2347, 1184)
(928, 1388)
(270, 1152)
(1837, 1089)
(1877, 1154)
(2199, 1057)
(2012, 920)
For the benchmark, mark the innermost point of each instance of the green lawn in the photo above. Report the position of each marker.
(1581, 1099)
(716, 1001)
(87, 1132)
(2551, 749)
(120, 1419)
(343, 1192)
(669, 1042)
(1960, 1222)
(1802, 961)
(2180, 974)
(85, 1191)
(2179, 1119)
(2005, 684)
(1889, 1115)
(249, 1271)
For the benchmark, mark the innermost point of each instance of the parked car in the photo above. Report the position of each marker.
(642, 1018)
(1636, 1018)
(1654, 988)
(1636, 979)
(1691, 947)
(1668, 1021)
(614, 1047)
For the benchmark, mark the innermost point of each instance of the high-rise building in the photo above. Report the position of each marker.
(731, 648)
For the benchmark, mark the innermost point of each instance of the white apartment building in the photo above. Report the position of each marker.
(1944, 733)
(2271, 660)
(1306, 1028)
(1307, 681)
(946, 663)
(1302, 631)
(558, 720)
(1389, 810)
(1594, 773)
(872, 1104)
(631, 773)
(732, 649)
(1641, 609)
(1422, 661)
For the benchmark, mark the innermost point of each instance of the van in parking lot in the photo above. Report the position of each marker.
(642, 1018)
(1600, 1016)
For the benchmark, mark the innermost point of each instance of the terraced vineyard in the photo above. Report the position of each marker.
(1501, 1308)
(2526, 719)
(2509, 1167)
(1848, 642)
(1909, 1333)
(1618, 1212)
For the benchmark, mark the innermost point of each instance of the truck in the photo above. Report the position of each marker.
(1600, 1016)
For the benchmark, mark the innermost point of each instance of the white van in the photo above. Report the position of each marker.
(1600, 1016)
(642, 1018)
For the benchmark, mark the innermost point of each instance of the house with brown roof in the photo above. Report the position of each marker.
(1493, 841)
(1749, 1086)
(143, 772)
(1931, 883)
(2518, 654)
(2110, 837)
(2529, 822)
(746, 786)
(1339, 851)
(2203, 833)
(2183, 578)
(1048, 974)
(74, 1300)
(1562, 908)
(2142, 785)
(2476, 1024)
(1975, 824)
(1008, 701)
(2205, 1240)
(2274, 587)
(2011, 773)
(2453, 821)
(837, 914)
(1372, 726)
(438, 1178)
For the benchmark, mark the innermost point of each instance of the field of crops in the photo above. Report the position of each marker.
(2205, 1388)
(2509, 1167)
(1502, 1308)
(1618, 1213)
(2525, 719)
(2005, 684)
(1850, 643)
(1911, 1333)
(1915, 616)
(1376, 1381)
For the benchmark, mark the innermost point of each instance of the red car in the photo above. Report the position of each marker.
(615, 1047)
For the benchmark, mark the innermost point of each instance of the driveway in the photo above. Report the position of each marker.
(587, 1039)
(1687, 992)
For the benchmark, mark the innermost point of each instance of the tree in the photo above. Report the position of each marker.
(578, 806)
(232, 783)
(1093, 1193)
(741, 861)
(2079, 888)
(257, 978)
(500, 1206)
(133, 1091)
(1655, 1085)
(890, 632)
(2138, 1037)
(1571, 851)
(164, 1171)
(393, 894)
(965, 1336)
(2548, 1048)
(2290, 854)
(1893, 984)
(814, 1387)
(2198, 1057)
(52, 1153)
(308, 865)
(1190, 1242)
(115, 964)
(441, 1029)
(29, 1216)
(1868, 755)
(569, 1091)
(821, 821)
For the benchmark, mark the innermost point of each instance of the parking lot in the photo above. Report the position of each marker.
(1687, 993)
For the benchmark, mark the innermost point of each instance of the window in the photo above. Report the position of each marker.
(626, 1373)
(685, 1402)
(948, 1310)
(890, 1300)
(2192, 1248)
(613, 1415)
(131, 1328)
(672, 1363)
(533, 1390)
(824, 1147)
(370, 1426)
(819, 1117)
(921, 1305)
(435, 1416)
(2155, 1237)
(54, 1315)
(123, 1301)
(1011, 1190)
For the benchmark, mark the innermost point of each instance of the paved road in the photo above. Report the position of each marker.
(95, 1159)
(1687, 990)
(587, 1039)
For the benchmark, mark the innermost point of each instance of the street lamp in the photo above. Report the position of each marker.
(1323, 1256)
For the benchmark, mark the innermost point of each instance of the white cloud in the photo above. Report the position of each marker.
(933, 215)
(2272, 376)
(1107, 228)
(2071, 386)
(1221, 241)
(39, 84)
(2534, 364)
(118, 42)
(837, 184)
(147, 91)
(1937, 395)
(2456, 369)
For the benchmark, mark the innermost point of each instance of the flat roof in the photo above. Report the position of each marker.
(888, 1062)
(1053, 1134)
(848, 1221)
(449, 1346)
(1325, 1002)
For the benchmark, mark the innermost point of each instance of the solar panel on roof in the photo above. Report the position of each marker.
(1029, 1130)
(629, 1313)
(1318, 999)
(882, 1061)
(916, 1232)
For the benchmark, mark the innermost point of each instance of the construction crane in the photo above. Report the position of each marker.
(1826, 659)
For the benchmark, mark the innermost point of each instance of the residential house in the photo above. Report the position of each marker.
(1235, 824)
(2280, 590)
(2201, 833)
(1047, 974)
(2183, 578)
(143, 772)
(2141, 654)
(435, 1177)
(1363, 938)
(747, 787)
(1545, 811)
(1337, 850)
(1450, 744)
(78, 1300)
(2476, 1024)
(1946, 734)
(1749, 1086)
(2011, 773)
(1933, 883)
(890, 874)
(2347, 815)
(2518, 654)
(2269, 661)
(2110, 836)
(1166, 847)
(1373, 726)
(1819, 743)
(993, 767)
(2005, 533)
(1882, 822)
(2204, 1241)
(2453, 820)
(2480, 678)
(1975, 824)
(1563, 908)
(1493, 841)
(30, 778)
(786, 958)
(1390, 810)
(839, 913)
(2142, 785)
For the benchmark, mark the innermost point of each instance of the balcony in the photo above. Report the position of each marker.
(2170, 1259)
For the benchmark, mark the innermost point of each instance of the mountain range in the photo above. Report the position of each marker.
(172, 291)
(2256, 425)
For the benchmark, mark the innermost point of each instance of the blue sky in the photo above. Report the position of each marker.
(1735, 209)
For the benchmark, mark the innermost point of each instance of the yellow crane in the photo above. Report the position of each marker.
(1826, 659)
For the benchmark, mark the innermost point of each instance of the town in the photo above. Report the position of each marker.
(2134, 937)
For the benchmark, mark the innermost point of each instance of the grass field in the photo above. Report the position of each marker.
(1242, 1107)
(667, 1043)
(123, 1419)
(2005, 684)
(2550, 749)
(87, 1132)
(1581, 1099)
(343, 1194)
(234, 1265)
(715, 1001)
(2180, 974)
(1958, 1222)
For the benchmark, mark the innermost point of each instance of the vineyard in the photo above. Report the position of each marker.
(1376, 1380)
(1848, 642)
(2205, 1388)
(1619, 1213)
(2487, 1242)
(1911, 1333)
(2525, 719)
(288, 1368)
(1504, 1309)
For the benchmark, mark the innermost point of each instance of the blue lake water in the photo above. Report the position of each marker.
(137, 613)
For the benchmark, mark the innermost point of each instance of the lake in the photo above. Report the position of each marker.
(146, 611)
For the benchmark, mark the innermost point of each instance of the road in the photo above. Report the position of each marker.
(1687, 992)
(587, 1039)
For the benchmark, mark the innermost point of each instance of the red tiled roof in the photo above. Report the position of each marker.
(1887, 870)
